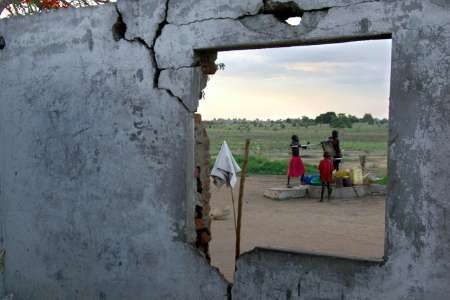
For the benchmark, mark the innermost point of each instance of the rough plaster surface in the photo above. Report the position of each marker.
(90, 205)
(96, 161)
(189, 11)
(143, 18)
(301, 276)
(184, 83)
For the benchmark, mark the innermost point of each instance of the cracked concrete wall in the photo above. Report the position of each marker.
(417, 262)
(96, 167)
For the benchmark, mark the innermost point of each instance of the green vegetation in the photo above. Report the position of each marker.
(383, 180)
(258, 165)
(270, 140)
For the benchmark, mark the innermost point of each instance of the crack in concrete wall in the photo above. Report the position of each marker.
(365, 27)
(97, 219)
(282, 10)
(121, 26)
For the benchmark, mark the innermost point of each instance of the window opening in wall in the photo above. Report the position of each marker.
(269, 95)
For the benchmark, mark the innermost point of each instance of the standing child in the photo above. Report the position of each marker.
(334, 138)
(326, 174)
(296, 167)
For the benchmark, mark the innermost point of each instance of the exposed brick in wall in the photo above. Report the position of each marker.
(202, 158)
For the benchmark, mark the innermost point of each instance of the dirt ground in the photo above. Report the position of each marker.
(339, 227)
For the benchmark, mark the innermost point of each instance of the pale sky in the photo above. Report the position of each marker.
(351, 78)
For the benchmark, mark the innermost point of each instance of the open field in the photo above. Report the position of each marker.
(339, 227)
(272, 143)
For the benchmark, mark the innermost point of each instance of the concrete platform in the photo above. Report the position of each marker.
(339, 193)
(286, 193)
(377, 189)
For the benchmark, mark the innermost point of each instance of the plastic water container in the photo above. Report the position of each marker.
(347, 182)
(357, 176)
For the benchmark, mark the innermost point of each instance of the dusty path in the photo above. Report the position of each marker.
(340, 227)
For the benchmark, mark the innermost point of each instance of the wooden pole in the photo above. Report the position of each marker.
(240, 200)
(234, 211)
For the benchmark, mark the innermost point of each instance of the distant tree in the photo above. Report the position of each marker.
(353, 119)
(306, 122)
(342, 121)
(326, 118)
(367, 118)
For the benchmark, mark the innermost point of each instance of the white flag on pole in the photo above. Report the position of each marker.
(225, 168)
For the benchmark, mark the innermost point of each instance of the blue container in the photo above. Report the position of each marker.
(307, 179)
(315, 180)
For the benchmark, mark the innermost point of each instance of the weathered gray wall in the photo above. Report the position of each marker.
(97, 138)
(94, 166)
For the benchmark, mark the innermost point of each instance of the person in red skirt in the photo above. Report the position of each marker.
(296, 167)
(326, 174)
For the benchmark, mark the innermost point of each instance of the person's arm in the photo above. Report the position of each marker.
(338, 148)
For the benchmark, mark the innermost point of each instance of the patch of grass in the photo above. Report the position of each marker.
(383, 180)
(366, 146)
(270, 151)
(258, 165)
(273, 143)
